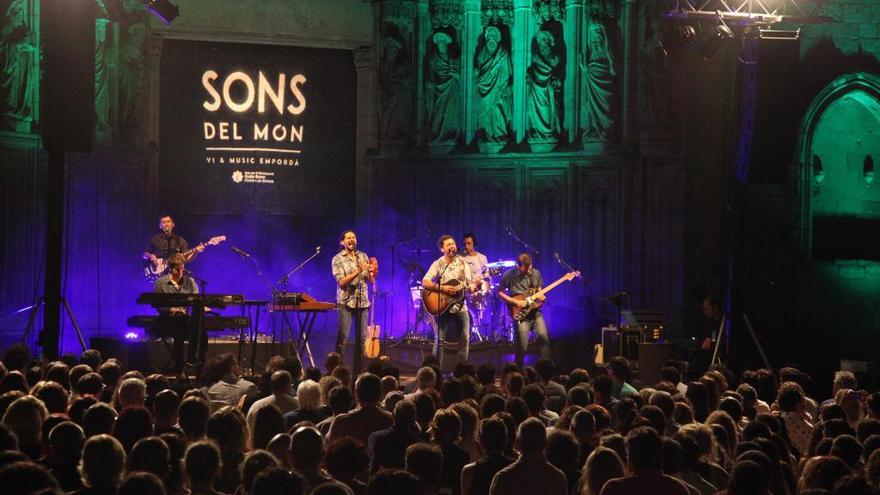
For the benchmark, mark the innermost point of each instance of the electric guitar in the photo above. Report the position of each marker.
(371, 344)
(534, 299)
(160, 268)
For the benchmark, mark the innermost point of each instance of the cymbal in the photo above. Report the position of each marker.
(502, 264)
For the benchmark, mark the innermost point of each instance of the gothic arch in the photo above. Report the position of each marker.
(861, 86)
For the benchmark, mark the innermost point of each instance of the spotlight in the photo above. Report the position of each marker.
(687, 33)
(131, 335)
(163, 9)
(718, 36)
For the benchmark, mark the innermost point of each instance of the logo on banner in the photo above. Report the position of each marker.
(263, 128)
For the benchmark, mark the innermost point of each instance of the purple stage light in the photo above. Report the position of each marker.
(132, 335)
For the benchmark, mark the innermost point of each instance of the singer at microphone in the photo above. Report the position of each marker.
(448, 276)
(351, 269)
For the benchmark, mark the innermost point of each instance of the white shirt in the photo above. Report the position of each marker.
(285, 403)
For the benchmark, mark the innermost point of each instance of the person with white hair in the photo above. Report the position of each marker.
(308, 396)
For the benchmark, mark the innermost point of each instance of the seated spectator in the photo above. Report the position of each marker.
(276, 481)
(132, 424)
(368, 417)
(25, 418)
(202, 464)
(530, 473)
(192, 417)
(255, 463)
(307, 455)
(563, 452)
(822, 472)
(340, 400)
(644, 463)
(426, 462)
(748, 478)
(620, 373)
(388, 446)
(165, 407)
(348, 461)
(224, 383)
(426, 378)
(267, 423)
(66, 442)
(150, 455)
(308, 397)
(103, 461)
(469, 419)
(26, 478)
(792, 407)
(99, 419)
(131, 392)
(228, 429)
(476, 477)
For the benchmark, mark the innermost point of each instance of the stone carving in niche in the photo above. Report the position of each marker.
(396, 87)
(17, 70)
(446, 13)
(605, 8)
(599, 86)
(395, 75)
(494, 86)
(544, 89)
(132, 55)
(443, 88)
(102, 69)
(655, 74)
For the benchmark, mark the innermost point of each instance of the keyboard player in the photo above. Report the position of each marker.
(177, 321)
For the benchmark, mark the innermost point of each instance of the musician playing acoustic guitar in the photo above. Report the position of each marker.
(450, 275)
(523, 280)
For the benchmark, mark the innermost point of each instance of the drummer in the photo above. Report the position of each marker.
(478, 263)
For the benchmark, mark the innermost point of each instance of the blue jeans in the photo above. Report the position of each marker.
(460, 321)
(359, 315)
(537, 324)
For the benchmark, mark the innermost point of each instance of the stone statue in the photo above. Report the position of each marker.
(600, 75)
(18, 71)
(395, 92)
(131, 78)
(102, 75)
(494, 87)
(444, 91)
(544, 87)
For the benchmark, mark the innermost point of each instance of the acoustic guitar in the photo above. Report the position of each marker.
(534, 299)
(153, 272)
(371, 343)
(436, 302)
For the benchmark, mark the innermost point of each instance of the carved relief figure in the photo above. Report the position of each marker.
(494, 86)
(395, 90)
(17, 69)
(102, 71)
(544, 86)
(444, 91)
(600, 75)
(131, 78)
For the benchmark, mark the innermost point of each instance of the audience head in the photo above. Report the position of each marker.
(368, 389)
(306, 448)
(602, 465)
(103, 461)
(425, 461)
(531, 436)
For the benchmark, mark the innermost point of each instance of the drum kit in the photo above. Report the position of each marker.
(490, 320)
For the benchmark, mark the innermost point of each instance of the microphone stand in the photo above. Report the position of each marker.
(284, 280)
(198, 347)
(255, 326)
(526, 245)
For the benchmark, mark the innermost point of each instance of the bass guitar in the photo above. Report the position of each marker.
(371, 344)
(535, 298)
(153, 271)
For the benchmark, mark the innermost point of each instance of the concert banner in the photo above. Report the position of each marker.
(266, 126)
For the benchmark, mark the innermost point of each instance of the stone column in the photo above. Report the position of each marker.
(573, 33)
(470, 33)
(422, 32)
(367, 126)
(521, 33)
(629, 11)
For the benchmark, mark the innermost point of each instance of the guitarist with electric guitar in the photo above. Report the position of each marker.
(165, 243)
(522, 288)
(443, 291)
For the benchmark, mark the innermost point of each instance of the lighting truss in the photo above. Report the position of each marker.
(748, 11)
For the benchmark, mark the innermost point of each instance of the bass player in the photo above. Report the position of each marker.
(165, 243)
(524, 280)
(450, 275)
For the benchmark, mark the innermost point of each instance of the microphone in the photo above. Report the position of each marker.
(507, 229)
(240, 252)
(556, 255)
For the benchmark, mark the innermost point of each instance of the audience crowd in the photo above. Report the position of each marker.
(87, 426)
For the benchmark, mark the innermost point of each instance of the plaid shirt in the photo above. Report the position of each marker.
(355, 294)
